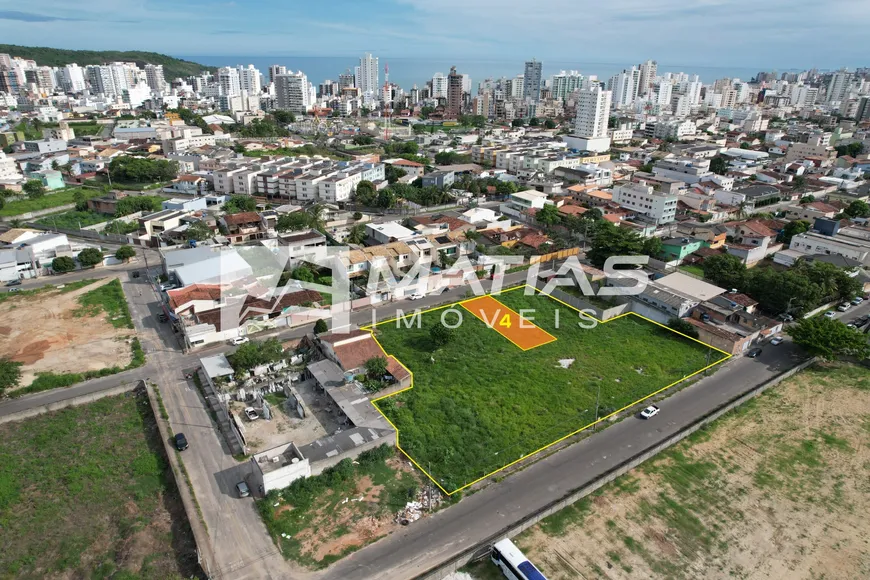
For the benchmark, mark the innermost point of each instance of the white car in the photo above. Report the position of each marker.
(416, 296)
(857, 300)
(649, 412)
(844, 307)
(776, 340)
(830, 314)
(251, 414)
(239, 340)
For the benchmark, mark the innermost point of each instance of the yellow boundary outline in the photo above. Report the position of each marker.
(371, 327)
(503, 305)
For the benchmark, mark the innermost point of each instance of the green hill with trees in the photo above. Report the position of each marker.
(44, 56)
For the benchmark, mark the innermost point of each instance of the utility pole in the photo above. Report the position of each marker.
(597, 399)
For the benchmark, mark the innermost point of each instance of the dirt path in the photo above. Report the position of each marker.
(41, 332)
(779, 489)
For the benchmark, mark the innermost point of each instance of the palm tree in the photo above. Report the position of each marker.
(315, 217)
(357, 234)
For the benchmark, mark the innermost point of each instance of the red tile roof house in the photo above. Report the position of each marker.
(244, 226)
(351, 350)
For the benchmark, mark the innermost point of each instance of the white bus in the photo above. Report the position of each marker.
(513, 563)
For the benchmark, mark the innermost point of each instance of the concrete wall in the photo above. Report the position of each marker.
(280, 478)
(318, 466)
(482, 548)
(36, 214)
(650, 312)
(70, 402)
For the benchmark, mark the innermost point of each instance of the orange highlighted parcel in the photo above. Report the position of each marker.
(508, 323)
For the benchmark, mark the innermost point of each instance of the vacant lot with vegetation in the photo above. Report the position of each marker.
(318, 520)
(479, 403)
(48, 201)
(86, 492)
(780, 488)
(64, 336)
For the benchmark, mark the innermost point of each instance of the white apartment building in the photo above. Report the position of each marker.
(229, 82)
(847, 246)
(644, 200)
(439, 86)
(367, 75)
(817, 145)
(532, 80)
(9, 172)
(155, 78)
(686, 170)
(590, 122)
(249, 79)
(648, 72)
(624, 87)
(293, 92)
(838, 87)
(73, 78)
(675, 129)
(565, 83)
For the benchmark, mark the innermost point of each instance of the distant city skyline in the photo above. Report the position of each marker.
(709, 32)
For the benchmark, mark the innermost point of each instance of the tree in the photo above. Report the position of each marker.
(33, 188)
(652, 246)
(376, 368)
(303, 273)
(283, 117)
(440, 335)
(10, 374)
(829, 339)
(135, 203)
(852, 149)
(386, 198)
(393, 173)
(807, 199)
(548, 215)
(363, 140)
(81, 201)
(646, 168)
(63, 264)
(198, 231)
(293, 222)
(366, 194)
(449, 158)
(239, 203)
(799, 183)
(745, 145)
(534, 122)
(518, 123)
(719, 165)
(858, 208)
(357, 215)
(141, 170)
(724, 270)
(792, 229)
(550, 124)
(683, 327)
(124, 253)
(610, 240)
(90, 257)
(357, 234)
(2, 202)
(320, 326)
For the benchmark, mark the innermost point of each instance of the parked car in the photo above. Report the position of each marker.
(181, 442)
(786, 317)
(14, 290)
(135, 274)
(417, 296)
(830, 314)
(167, 286)
(844, 307)
(857, 300)
(753, 353)
(162, 317)
(14, 282)
(243, 490)
(239, 340)
(649, 412)
(251, 414)
(776, 340)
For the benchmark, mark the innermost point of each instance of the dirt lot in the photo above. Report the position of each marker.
(41, 331)
(778, 489)
(335, 517)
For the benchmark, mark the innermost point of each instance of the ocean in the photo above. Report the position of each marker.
(409, 71)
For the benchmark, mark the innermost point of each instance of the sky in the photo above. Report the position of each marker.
(826, 34)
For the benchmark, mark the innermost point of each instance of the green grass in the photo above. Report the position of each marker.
(48, 201)
(83, 491)
(110, 299)
(83, 129)
(73, 220)
(316, 502)
(693, 269)
(484, 403)
(67, 287)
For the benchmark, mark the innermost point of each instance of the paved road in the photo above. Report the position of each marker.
(432, 540)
